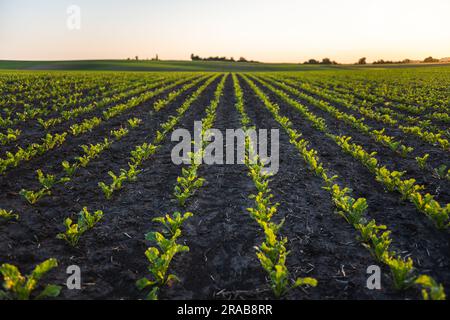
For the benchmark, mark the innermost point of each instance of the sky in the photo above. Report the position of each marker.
(263, 30)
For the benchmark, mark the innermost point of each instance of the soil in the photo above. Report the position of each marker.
(222, 262)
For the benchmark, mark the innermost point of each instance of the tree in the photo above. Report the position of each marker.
(312, 61)
(430, 59)
(194, 57)
(362, 61)
(326, 61)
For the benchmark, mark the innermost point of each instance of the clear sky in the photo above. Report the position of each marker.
(265, 30)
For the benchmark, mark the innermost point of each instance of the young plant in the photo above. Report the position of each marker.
(431, 289)
(74, 231)
(48, 180)
(8, 215)
(142, 153)
(441, 172)
(134, 122)
(380, 246)
(422, 161)
(68, 168)
(11, 135)
(108, 190)
(19, 287)
(159, 262)
(119, 133)
(351, 209)
(187, 184)
(174, 222)
(402, 272)
(272, 255)
(33, 197)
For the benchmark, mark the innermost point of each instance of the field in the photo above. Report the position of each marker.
(364, 180)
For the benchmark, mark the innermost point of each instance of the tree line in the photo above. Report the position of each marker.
(195, 57)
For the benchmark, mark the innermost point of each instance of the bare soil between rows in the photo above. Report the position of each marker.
(222, 262)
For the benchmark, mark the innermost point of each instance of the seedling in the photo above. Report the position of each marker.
(74, 231)
(8, 215)
(422, 161)
(431, 289)
(159, 260)
(172, 224)
(69, 169)
(134, 122)
(33, 197)
(18, 287)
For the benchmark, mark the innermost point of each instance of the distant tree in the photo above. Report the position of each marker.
(312, 61)
(430, 59)
(217, 58)
(136, 58)
(362, 61)
(326, 61)
(195, 57)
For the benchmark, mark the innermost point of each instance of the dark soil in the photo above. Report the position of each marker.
(222, 262)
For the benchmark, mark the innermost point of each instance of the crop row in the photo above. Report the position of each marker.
(374, 236)
(392, 180)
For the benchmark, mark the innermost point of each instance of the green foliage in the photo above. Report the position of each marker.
(86, 221)
(159, 260)
(431, 289)
(422, 161)
(174, 222)
(19, 287)
(116, 184)
(187, 184)
(8, 215)
(134, 122)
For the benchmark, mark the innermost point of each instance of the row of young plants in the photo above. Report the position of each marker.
(272, 253)
(166, 247)
(440, 172)
(107, 101)
(51, 141)
(39, 94)
(422, 129)
(90, 153)
(392, 180)
(348, 100)
(421, 116)
(43, 89)
(423, 98)
(376, 238)
(146, 150)
(109, 98)
(64, 101)
(378, 136)
(389, 118)
(141, 153)
(377, 105)
(125, 91)
(9, 136)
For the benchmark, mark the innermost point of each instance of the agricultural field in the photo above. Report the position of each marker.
(87, 179)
